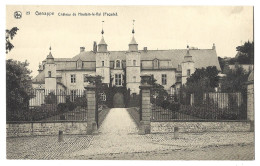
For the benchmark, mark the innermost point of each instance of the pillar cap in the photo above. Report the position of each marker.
(91, 86)
(144, 86)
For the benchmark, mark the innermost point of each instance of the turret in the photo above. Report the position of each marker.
(102, 46)
(133, 63)
(187, 66)
(133, 46)
(50, 73)
(102, 59)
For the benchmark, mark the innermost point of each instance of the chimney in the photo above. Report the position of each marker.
(95, 47)
(213, 47)
(82, 49)
(145, 49)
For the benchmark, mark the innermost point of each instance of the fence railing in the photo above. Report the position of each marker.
(52, 105)
(207, 106)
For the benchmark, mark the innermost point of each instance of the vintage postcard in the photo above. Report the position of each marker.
(129, 82)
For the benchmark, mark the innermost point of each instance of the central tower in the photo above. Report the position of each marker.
(133, 64)
(103, 60)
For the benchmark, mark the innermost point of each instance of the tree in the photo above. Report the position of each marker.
(18, 84)
(158, 93)
(221, 63)
(245, 53)
(201, 81)
(234, 80)
(9, 34)
(206, 77)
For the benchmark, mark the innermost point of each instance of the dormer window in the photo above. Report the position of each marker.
(79, 64)
(155, 63)
(118, 64)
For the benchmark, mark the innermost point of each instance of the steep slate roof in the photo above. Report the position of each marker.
(85, 56)
(39, 79)
(50, 56)
(133, 41)
(61, 59)
(201, 57)
(102, 41)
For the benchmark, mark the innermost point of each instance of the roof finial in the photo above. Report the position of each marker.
(102, 32)
(50, 48)
(133, 31)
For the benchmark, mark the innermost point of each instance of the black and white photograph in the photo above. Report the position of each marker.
(124, 82)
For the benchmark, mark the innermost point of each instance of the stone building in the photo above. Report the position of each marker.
(169, 67)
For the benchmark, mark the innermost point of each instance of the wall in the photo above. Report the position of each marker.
(66, 75)
(250, 102)
(225, 126)
(45, 128)
(158, 76)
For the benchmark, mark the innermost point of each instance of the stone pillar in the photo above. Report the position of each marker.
(250, 100)
(145, 123)
(91, 109)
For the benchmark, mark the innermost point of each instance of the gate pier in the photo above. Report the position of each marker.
(91, 107)
(145, 107)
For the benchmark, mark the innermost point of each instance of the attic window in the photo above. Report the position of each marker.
(155, 63)
(79, 64)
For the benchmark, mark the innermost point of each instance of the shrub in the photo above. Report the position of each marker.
(81, 101)
(164, 104)
(174, 106)
(71, 106)
(51, 98)
(62, 107)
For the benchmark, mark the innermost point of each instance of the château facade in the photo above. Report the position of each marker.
(170, 68)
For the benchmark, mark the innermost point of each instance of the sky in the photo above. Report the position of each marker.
(156, 27)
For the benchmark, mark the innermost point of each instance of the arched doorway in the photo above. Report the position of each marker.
(118, 100)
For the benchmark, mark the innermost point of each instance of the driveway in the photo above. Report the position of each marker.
(118, 138)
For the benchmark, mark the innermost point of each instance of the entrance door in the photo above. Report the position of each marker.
(118, 100)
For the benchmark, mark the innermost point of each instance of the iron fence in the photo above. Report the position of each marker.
(51, 105)
(208, 106)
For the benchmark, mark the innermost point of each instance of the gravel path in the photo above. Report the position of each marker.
(118, 138)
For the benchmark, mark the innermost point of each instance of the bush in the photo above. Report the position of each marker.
(50, 99)
(62, 107)
(71, 106)
(81, 101)
(174, 106)
(164, 104)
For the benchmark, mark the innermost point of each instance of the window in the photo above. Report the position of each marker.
(49, 73)
(73, 95)
(134, 79)
(156, 63)
(85, 78)
(79, 64)
(118, 64)
(164, 79)
(102, 96)
(188, 72)
(118, 79)
(103, 63)
(73, 78)
(134, 62)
